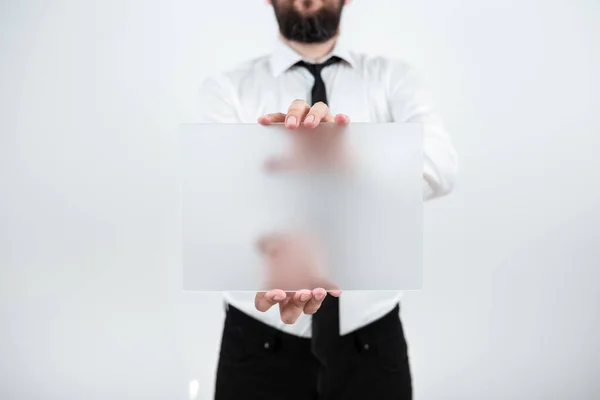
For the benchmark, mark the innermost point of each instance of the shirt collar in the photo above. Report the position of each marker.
(284, 57)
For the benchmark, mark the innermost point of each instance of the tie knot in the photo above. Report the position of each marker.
(315, 69)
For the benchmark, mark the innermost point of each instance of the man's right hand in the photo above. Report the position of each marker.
(292, 304)
(293, 261)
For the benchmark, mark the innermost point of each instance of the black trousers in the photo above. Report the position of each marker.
(260, 362)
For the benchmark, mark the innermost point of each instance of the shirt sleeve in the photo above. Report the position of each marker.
(409, 103)
(216, 102)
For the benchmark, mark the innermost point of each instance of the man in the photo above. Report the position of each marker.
(320, 345)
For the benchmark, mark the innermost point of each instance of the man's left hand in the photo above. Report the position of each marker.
(300, 112)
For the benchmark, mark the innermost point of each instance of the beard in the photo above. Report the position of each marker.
(317, 27)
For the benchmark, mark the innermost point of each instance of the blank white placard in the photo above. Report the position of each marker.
(370, 224)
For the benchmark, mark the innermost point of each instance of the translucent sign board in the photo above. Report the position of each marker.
(272, 208)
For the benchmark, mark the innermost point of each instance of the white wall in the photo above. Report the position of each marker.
(88, 292)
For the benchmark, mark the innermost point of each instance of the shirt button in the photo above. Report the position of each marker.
(267, 345)
(366, 346)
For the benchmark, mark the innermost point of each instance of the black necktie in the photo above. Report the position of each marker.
(318, 90)
(326, 321)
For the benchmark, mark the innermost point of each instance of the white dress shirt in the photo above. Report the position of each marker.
(367, 89)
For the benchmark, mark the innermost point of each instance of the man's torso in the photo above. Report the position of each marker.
(359, 88)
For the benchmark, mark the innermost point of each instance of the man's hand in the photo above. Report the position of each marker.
(293, 261)
(281, 257)
(292, 304)
(324, 150)
(301, 113)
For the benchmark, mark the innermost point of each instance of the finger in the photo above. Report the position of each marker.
(318, 295)
(332, 289)
(328, 118)
(268, 119)
(265, 300)
(317, 113)
(291, 311)
(296, 113)
(342, 119)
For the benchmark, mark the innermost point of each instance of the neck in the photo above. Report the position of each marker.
(312, 51)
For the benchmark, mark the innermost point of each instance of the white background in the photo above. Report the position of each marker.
(90, 93)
